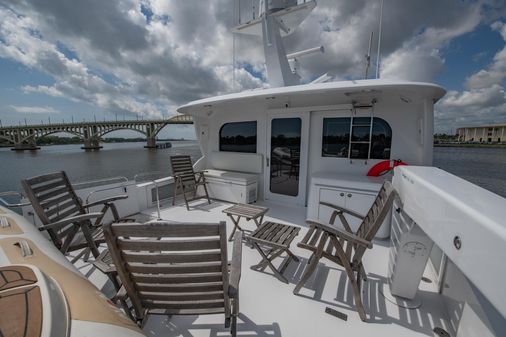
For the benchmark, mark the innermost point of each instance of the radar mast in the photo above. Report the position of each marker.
(276, 19)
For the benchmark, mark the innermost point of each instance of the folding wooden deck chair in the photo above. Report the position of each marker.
(343, 246)
(64, 217)
(186, 180)
(172, 268)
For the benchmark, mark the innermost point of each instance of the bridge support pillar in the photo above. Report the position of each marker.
(25, 146)
(151, 144)
(30, 144)
(91, 144)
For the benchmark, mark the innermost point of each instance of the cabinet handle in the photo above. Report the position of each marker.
(341, 194)
(350, 195)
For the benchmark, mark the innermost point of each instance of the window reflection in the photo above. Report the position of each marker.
(239, 137)
(336, 137)
(363, 143)
(381, 139)
(285, 156)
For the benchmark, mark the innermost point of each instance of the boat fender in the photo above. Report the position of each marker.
(384, 167)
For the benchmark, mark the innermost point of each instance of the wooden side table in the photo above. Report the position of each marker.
(276, 238)
(250, 212)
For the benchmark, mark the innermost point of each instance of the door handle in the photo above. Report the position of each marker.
(350, 195)
(267, 161)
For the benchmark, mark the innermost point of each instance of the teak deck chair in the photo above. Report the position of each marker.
(186, 180)
(63, 216)
(172, 268)
(343, 246)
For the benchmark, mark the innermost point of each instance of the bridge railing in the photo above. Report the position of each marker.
(183, 119)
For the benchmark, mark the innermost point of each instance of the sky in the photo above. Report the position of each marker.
(66, 60)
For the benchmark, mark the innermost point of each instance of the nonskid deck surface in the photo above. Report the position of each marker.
(269, 308)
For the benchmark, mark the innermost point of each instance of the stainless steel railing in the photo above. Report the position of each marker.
(100, 182)
(154, 176)
(9, 204)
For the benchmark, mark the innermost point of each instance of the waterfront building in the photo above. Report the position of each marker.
(494, 133)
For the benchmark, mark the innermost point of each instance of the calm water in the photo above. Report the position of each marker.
(483, 166)
(115, 159)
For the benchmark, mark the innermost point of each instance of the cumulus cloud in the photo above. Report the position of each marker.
(492, 96)
(34, 109)
(419, 58)
(484, 100)
(146, 57)
(496, 71)
(471, 107)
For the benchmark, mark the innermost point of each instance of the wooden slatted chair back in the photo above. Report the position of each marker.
(375, 217)
(53, 199)
(172, 268)
(182, 166)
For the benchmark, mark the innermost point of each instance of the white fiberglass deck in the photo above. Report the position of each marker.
(268, 306)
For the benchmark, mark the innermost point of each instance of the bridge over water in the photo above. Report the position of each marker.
(25, 137)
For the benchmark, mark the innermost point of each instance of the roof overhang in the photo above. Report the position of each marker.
(350, 89)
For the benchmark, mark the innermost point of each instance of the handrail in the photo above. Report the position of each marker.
(8, 204)
(99, 182)
(155, 183)
(166, 174)
(104, 189)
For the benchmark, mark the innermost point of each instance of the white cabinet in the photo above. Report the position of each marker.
(359, 202)
(356, 193)
(231, 186)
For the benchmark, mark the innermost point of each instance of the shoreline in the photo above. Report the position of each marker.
(107, 142)
(477, 145)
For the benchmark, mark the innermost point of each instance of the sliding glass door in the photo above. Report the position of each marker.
(286, 157)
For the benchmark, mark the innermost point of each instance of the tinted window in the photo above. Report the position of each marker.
(285, 155)
(381, 139)
(336, 137)
(239, 137)
(363, 143)
(360, 133)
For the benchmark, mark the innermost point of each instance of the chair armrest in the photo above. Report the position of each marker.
(235, 267)
(77, 218)
(343, 210)
(340, 233)
(105, 200)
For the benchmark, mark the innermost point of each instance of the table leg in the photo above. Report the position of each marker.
(271, 254)
(236, 226)
(268, 262)
(287, 262)
(292, 255)
(257, 222)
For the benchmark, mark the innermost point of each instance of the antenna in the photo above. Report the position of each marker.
(368, 57)
(379, 42)
(233, 62)
(237, 14)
